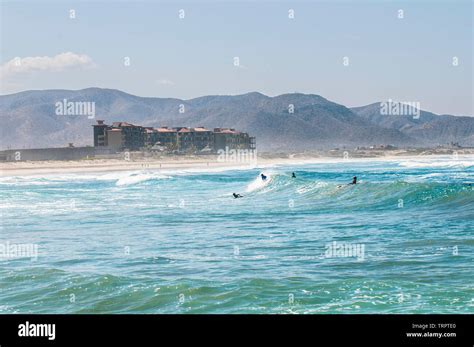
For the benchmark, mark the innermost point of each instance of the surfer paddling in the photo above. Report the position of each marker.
(354, 181)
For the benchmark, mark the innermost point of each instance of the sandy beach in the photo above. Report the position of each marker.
(26, 168)
(104, 165)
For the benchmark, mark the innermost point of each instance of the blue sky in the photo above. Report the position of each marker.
(409, 59)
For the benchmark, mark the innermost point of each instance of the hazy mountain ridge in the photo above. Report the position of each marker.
(29, 120)
(428, 128)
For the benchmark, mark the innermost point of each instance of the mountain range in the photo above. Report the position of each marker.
(29, 120)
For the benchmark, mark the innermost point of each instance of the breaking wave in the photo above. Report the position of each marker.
(136, 178)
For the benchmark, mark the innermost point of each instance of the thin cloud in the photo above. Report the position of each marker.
(59, 62)
(165, 82)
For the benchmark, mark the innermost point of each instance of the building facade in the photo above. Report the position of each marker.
(100, 134)
(133, 136)
(125, 136)
(232, 139)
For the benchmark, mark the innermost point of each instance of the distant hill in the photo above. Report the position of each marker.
(29, 120)
(429, 129)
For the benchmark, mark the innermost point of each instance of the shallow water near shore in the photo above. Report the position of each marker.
(177, 241)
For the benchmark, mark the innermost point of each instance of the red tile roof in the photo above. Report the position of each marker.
(228, 131)
(166, 130)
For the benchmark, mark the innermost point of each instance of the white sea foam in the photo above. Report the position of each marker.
(139, 177)
(310, 187)
(210, 170)
(258, 183)
(43, 180)
(437, 164)
(112, 176)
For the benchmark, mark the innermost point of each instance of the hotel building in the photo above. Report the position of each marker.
(122, 136)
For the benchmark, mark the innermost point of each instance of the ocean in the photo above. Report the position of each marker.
(400, 241)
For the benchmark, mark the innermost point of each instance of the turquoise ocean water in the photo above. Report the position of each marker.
(178, 242)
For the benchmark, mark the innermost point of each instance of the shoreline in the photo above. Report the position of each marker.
(32, 168)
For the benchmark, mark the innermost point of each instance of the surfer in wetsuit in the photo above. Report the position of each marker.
(293, 175)
(237, 195)
(354, 181)
(263, 177)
